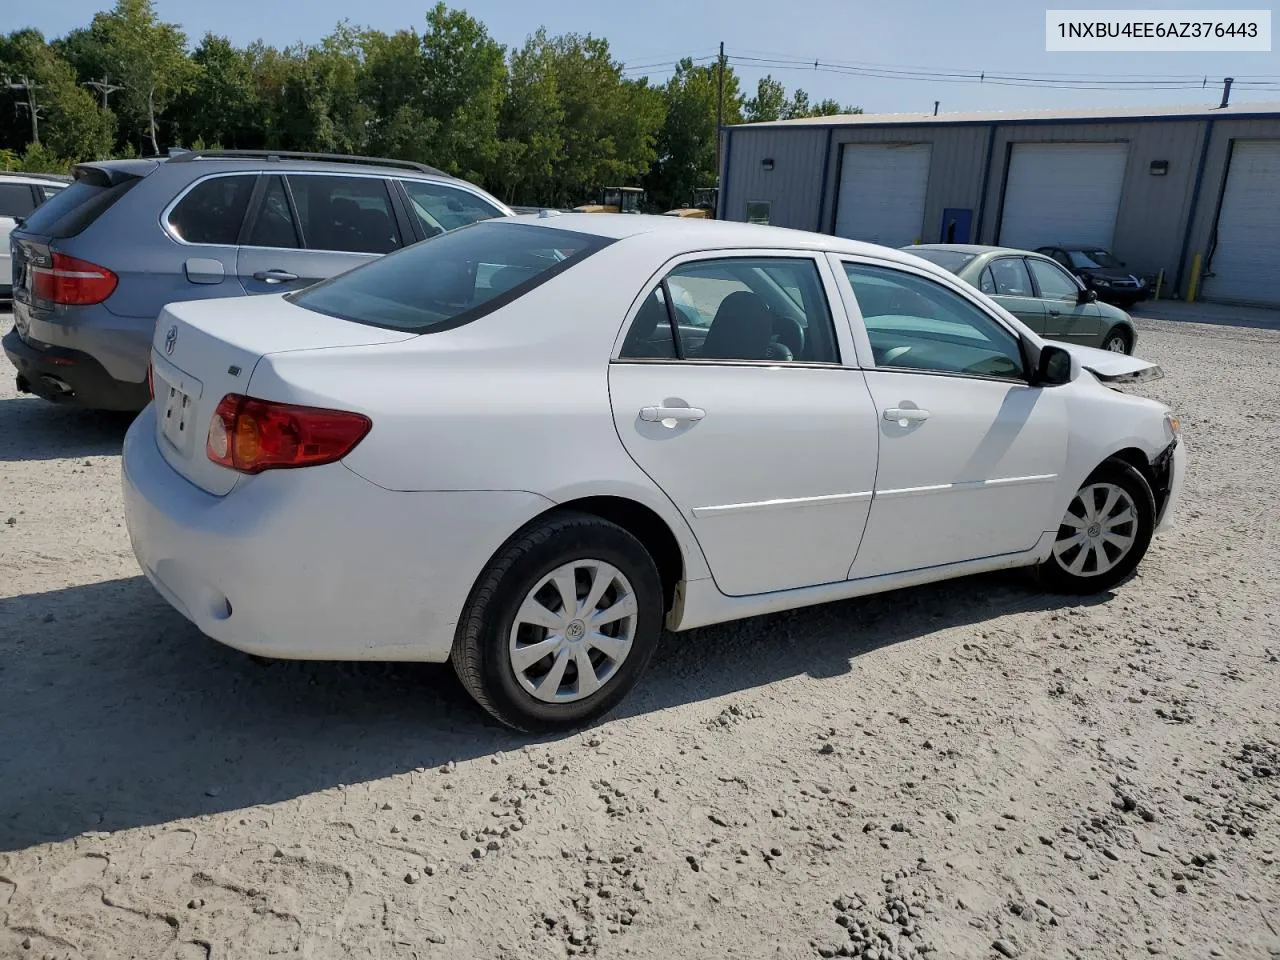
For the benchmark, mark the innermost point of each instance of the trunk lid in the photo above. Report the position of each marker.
(1113, 368)
(203, 350)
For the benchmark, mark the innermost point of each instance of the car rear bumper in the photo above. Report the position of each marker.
(316, 563)
(62, 375)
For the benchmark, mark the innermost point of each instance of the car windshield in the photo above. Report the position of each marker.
(953, 260)
(1092, 259)
(450, 279)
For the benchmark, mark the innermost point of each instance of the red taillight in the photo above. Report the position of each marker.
(72, 282)
(254, 435)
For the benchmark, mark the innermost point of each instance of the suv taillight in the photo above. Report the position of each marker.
(253, 435)
(72, 282)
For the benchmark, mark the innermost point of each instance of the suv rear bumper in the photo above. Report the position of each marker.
(62, 375)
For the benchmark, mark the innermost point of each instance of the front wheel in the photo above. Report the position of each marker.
(1104, 534)
(1117, 341)
(560, 625)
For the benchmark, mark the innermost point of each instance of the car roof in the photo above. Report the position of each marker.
(1075, 246)
(695, 234)
(38, 177)
(973, 248)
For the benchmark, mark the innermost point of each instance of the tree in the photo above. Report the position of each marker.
(686, 145)
(799, 107)
(768, 103)
(150, 59)
(221, 105)
(71, 124)
(531, 125)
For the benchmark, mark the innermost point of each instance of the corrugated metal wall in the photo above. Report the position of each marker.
(1151, 227)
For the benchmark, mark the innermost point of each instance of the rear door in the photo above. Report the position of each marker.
(1015, 292)
(763, 439)
(307, 227)
(1066, 317)
(205, 220)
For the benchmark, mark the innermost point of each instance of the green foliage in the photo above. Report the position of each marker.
(551, 122)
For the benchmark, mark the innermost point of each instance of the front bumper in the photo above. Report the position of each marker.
(1171, 477)
(316, 563)
(62, 375)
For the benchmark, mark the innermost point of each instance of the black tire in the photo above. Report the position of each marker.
(1121, 334)
(480, 647)
(1054, 573)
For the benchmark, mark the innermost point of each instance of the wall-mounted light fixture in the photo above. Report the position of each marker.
(1159, 168)
(768, 163)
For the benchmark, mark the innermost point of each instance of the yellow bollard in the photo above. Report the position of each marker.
(1194, 284)
(1159, 283)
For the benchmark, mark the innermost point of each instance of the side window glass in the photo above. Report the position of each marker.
(274, 225)
(1010, 276)
(440, 208)
(16, 200)
(213, 210)
(916, 324)
(986, 283)
(649, 337)
(347, 214)
(767, 309)
(1053, 283)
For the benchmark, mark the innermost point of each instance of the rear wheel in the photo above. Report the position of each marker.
(1104, 533)
(1117, 341)
(560, 625)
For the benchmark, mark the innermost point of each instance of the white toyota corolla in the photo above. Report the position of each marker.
(528, 445)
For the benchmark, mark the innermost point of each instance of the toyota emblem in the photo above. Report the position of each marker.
(170, 341)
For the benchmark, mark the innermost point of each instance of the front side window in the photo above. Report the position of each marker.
(439, 207)
(451, 279)
(212, 210)
(917, 324)
(1011, 279)
(1054, 283)
(346, 214)
(763, 309)
(47, 192)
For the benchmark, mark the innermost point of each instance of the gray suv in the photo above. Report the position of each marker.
(93, 266)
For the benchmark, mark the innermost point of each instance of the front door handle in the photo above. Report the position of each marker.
(906, 415)
(670, 416)
(275, 276)
(1055, 313)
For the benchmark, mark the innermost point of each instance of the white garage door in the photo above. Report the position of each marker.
(1059, 193)
(882, 190)
(1248, 249)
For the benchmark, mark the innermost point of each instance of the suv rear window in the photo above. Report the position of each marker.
(69, 211)
(451, 279)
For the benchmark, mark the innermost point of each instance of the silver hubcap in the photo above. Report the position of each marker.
(1116, 345)
(1098, 531)
(573, 631)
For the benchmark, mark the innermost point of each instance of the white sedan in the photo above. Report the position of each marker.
(529, 445)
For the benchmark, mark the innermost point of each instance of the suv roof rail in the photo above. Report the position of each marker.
(303, 155)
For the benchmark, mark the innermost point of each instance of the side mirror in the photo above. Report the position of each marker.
(1053, 367)
(1087, 296)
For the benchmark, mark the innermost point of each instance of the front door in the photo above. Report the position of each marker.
(1067, 318)
(970, 452)
(729, 392)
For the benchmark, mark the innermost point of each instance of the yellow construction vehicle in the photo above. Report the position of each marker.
(702, 205)
(615, 200)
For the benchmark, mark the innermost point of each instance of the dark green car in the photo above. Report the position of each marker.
(1037, 291)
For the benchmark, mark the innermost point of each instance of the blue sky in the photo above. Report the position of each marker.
(941, 35)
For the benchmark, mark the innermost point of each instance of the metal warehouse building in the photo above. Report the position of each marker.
(1194, 192)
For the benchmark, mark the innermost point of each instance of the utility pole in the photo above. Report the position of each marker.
(29, 86)
(719, 106)
(104, 87)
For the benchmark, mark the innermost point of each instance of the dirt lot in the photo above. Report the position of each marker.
(970, 770)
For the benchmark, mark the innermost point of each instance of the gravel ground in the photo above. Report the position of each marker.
(968, 770)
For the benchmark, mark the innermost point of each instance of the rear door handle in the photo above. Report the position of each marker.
(905, 415)
(674, 414)
(275, 276)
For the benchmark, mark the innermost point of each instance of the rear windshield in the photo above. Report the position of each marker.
(450, 279)
(69, 211)
(952, 260)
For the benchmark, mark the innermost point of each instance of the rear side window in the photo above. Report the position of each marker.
(16, 200)
(213, 210)
(70, 211)
(440, 208)
(273, 226)
(347, 214)
(451, 279)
